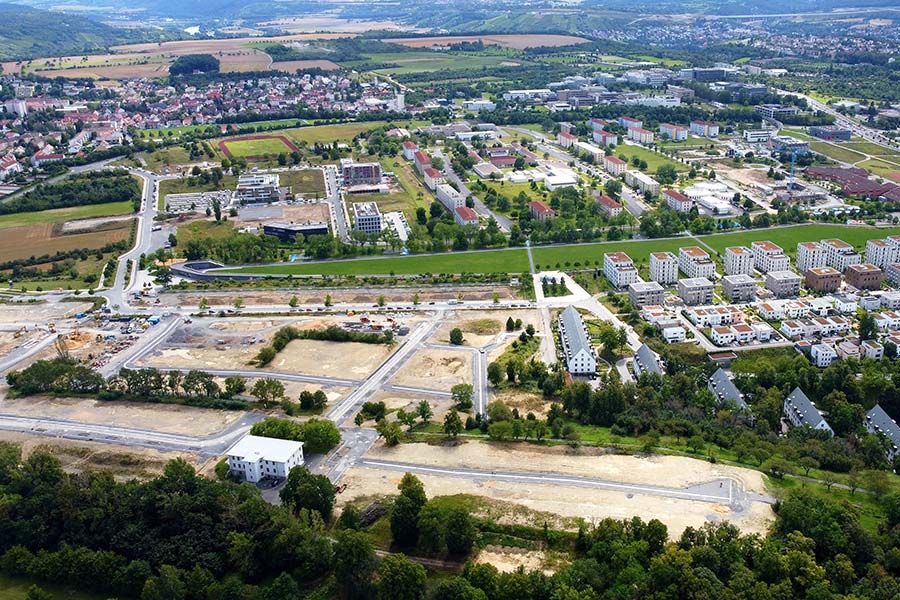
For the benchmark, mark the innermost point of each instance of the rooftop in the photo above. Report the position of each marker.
(254, 447)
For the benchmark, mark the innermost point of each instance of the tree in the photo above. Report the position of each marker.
(320, 436)
(390, 431)
(166, 586)
(456, 336)
(453, 425)
(305, 490)
(36, 593)
(217, 209)
(460, 532)
(806, 463)
(354, 563)
(268, 391)
(405, 513)
(294, 302)
(510, 324)
(868, 330)
(456, 588)
(462, 393)
(495, 373)
(234, 386)
(423, 409)
(328, 301)
(401, 579)
(238, 303)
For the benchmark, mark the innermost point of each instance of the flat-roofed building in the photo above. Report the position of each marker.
(739, 288)
(840, 255)
(695, 290)
(769, 257)
(693, 261)
(738, 260)
(576, 343)
(367, 217)
(882, 253)
(663, 267)
(450, 197)
(643, 293)
(642, 182)
(257, 188)
(864, 276)
(823, 279)
(783, 284)
(810, 255)
(254, 458)
(619, 269)
(356, 173)
(288, 232)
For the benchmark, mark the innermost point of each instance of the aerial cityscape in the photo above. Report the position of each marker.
(454, 300)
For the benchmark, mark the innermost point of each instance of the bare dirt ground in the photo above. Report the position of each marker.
(350, 295)
(481, 327)
(668, 471)
(40, 313)
(141, 463)
(298, 213)
(167, 418)
(566, 502)
(507, 559)
(9, 342)
(518, 42)
(331, 359)
(436, 369)
(526, 402)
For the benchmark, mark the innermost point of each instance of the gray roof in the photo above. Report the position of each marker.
(725, 390)
(805, 410)
(879, 421)
(648, 360)
(574, 337)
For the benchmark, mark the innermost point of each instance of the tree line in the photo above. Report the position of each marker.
(332, 333)
(94, 187)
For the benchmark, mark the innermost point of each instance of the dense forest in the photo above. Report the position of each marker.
(94, 187)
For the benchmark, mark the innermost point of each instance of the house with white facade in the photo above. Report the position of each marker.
(738, 261)
(576, 343)
(663, 267)
(619, 269)
(800, 411)
(255, 457)
(693, 261)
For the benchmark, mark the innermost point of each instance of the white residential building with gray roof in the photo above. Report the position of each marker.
(725, 391)
(646, 361)
(880, 423)
(800, 411)
(576, 343)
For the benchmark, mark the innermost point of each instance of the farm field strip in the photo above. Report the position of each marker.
(60, 215)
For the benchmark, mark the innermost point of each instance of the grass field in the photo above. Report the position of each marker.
(426, 62)
(203, 230)
(16, 589)
(839, 153)
(882, 168)
(691, 142)
(412, 194)
(255, 148)
(870, 148)
(305, 181)
(341, 132)
(60, 215)
(167, 157)
(654, 159)
(515, 260)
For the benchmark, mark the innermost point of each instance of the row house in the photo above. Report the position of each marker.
(713, 316)
(887, 320)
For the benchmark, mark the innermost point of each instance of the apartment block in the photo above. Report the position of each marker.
(738, 261)
(739, 287)
(882, 253)
(784, 284)
(677, 201)
(619, 269)
(695, 290)
(367, 217)
(663, 267)
(864, 276)
(823, 279)
(644, 293)
(614, 165)
(840, 255)
(695, 262)
(810, 255)
(769, 257)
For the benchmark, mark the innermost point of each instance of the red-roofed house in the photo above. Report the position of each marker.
(605, 138)
(673, 132)
(422, 161)
(9, 166)
(409, 150)
(608, 205)
(44, 158)
(614, 165)
(465, 216)
(678, 201)
(640, 135)
(541, 211)
(566, 140)
(432, 178)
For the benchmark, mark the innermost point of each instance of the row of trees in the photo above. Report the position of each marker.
(332, 333)
(93, 187)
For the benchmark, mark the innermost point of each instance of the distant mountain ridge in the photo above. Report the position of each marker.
(29, 33)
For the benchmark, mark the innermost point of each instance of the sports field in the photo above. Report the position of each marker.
(257, 146)
(516, 260)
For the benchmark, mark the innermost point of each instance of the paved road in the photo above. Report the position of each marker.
(481, 208)
(718, 491)
(333, 190)
(210, 446)
(22, 353)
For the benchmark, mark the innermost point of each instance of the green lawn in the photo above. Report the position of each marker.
(60, 215)
(167, 157)
(498, 261)
(342, 132)
(838, 153)
(882, 168)
(255, 148)
(654, 159)
(182, 186)
(412, 194)
(304, 181)
(870, 148)
(203, 230)
(427, 61)
(515, 260)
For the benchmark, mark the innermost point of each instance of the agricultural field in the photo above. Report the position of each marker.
(61, 215)
(292, 66)
(425, 62)
(517, 42)
(654, 159)
(47, 237)
(182, 186)
(326, 134)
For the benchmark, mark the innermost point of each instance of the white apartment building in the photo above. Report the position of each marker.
(769, 257)
(449, 197)
(738, 261)
(840, 255)
(695, 262)
(810, 255)
(881, 253)
(576, 343)
(663, 267)
(619, 269)
(255, 457)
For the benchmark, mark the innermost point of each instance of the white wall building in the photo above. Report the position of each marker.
(255, 457)
(738, 261)
(619, 269)
(810, 255)
(840, 255)
(663, 267)
(695, 262)
(576, 343)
